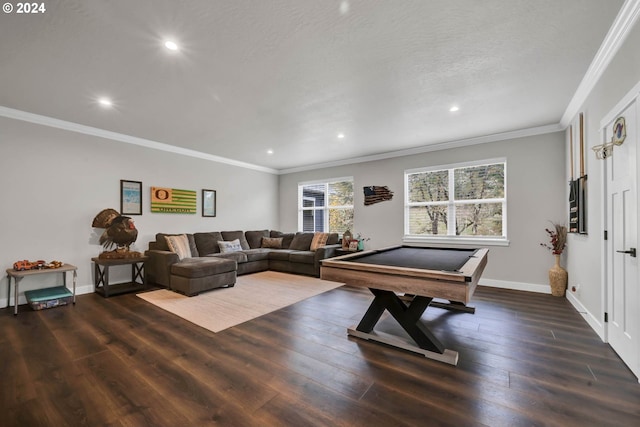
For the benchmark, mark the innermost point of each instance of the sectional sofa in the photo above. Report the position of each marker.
(193, 263)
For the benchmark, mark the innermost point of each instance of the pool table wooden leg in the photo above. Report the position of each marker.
(373, 314)
(406, 314)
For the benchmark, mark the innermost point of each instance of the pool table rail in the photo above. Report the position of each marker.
(453, 286)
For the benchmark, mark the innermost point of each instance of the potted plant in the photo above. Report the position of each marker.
(557, 243)
(361, 241)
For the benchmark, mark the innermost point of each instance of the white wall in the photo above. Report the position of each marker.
(54, 182)
(536, 195)
(583, 253)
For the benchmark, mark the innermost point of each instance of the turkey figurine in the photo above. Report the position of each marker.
(120, 231)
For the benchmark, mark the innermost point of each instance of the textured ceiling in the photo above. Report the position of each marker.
(289, 75)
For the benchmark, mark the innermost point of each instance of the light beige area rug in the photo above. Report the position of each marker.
(253, 295)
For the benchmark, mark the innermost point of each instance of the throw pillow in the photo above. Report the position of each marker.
(229, 236)
(179, 245)
(161, 243)
(272, 242)
(287, 238)
(254, 238)
(232, 246)
(319, 240)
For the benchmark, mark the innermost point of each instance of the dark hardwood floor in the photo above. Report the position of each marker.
(525, 360)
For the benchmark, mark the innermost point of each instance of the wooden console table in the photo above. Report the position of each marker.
(101, 270)
(18, 275)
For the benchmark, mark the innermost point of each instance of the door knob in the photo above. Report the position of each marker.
(631, 252)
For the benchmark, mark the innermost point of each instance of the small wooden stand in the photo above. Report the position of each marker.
(101, 271)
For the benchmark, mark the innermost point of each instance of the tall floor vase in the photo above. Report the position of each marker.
(558, 277)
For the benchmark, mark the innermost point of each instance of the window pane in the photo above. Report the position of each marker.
(428, 186)
(340, 220)
(313, 192)
(431, 220)
(307, 220)
(481, 219)
(312, 220)
(341, 193)
(480, 182)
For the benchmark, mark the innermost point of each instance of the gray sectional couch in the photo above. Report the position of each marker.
(208, 267)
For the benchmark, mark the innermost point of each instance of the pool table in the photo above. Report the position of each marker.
(404, 281)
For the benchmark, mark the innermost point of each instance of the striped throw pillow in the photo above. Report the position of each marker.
(179, 245)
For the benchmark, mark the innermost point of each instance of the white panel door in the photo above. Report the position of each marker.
(623, 297)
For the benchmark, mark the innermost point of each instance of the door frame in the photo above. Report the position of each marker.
(625, 102)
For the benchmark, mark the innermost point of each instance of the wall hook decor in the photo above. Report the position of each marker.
(605, 150)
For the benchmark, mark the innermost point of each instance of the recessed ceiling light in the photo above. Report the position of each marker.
(269, 151)
(454, 108)
(105, 102)
(171, 45)
(344, 7)
(340, 135)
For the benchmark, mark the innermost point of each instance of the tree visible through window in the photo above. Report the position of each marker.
(326, 206)
(456, 201)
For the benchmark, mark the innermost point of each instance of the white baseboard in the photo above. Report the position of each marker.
(517, 286)
(592, 320)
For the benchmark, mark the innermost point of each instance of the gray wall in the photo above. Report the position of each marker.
(54, 182)
(584, 260)
(536, 194)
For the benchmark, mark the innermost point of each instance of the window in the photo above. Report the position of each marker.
(326, 206)
(467, 201)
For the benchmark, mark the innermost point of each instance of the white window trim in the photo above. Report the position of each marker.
(451, 239)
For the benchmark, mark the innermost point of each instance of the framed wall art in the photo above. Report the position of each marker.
(130, 197)
(173, 200)
(208, 203)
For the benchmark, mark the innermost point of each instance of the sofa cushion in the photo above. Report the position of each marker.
(239, 257)
(303, 257)
(257, 254)
(207, 243)
(287, 238)
(280, 254)
(319, 240)
(333, 239)
(179, 245)
(272, 242)
(301, 241)
(233, 235)
(161, 243)
(232, 246)
(202, 267)
(254, 238)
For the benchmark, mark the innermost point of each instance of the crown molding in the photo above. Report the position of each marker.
(620, 29)
(101, 133)
(522, 133)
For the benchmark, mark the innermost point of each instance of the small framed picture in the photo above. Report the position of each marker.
(130, 197)
(353, 245)
(208, 203)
